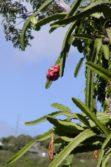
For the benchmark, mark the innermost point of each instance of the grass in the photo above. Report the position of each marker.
(33, 160)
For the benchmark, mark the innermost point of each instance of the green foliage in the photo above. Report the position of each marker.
(15, 14)
(106, 51)
(65, 48)
(100, 70)
(65, 127)
(61, 107)
(74, 8)
(90, 114)
(100, 6)
(44, 118)
(78, 66)
(102, 151)
(74, 133)
(89, 88)
(97, 48)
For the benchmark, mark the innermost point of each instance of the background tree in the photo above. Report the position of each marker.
(14, 13)
(14, 144)
(90, 32)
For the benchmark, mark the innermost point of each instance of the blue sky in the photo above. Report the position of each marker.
(22, 82)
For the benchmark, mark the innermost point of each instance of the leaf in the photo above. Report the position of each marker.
(100, 6)
(97, 15)
(22, 35)
(96, 3)
(91, 115)
(66, 139)
(99, 70)
(74, 8)
(44, 5)
(68, 161)
(71, 40)
(83, 119)
(53, 28)
(83, 36)
(102, 117)
(48, 84)
(102, 151)
(89, 89)
(65, 126)
(48, 19)
(33, 20)
(70, 147)
(78, 66)
(20, 153)
(44, 136)
(106, 51)
(44, 118)
(66, 47)
(87, 147)
(105, 159)
(97, 48)
(61, 107)
(90, 100)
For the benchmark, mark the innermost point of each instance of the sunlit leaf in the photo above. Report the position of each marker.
(33, 20)
(106, 51)
(66, 139)
(61, 107)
